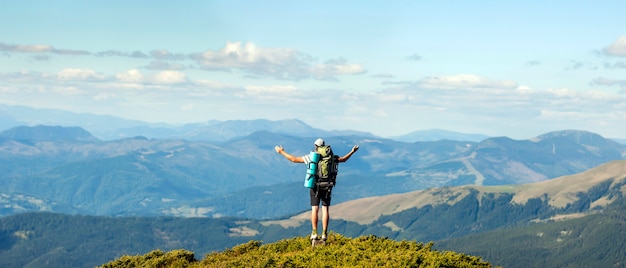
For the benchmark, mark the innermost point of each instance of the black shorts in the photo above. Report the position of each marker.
(322, 195)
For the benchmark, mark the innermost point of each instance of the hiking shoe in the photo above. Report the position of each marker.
(313, 236)
(323, 237)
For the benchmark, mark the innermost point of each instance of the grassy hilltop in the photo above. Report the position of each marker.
(340, 251)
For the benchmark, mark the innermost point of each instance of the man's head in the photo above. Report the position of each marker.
(319, 142)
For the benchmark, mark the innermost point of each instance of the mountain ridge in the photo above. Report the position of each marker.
(368, 210)
(141, 176)
(531, 235)
(439, 134)
(47, 133)
(107, 127)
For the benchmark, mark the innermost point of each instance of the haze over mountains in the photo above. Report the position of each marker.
(111, 128)
(106, 127)
(65, 169)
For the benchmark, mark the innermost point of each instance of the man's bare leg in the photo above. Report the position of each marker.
(325, 219)
(314, 210)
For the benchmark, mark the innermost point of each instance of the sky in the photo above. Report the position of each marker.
(499, 68)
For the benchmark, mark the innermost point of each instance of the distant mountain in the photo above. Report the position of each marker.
(47, 133)
(228, 130)
(141, 176)
(107, 127)
(439, 134)
(501, 160)
(13, 116)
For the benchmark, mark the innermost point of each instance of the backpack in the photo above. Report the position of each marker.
(327, 168)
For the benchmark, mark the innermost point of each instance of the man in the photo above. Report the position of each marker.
(316, 194)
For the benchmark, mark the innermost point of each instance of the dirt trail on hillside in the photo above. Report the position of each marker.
(479, 177)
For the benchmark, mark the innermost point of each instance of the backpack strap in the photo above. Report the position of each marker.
(328, 190)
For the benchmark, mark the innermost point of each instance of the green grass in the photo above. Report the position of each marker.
(340, 251)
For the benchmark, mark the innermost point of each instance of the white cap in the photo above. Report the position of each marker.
(319, 142)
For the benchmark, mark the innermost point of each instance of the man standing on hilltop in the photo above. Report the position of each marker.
(325, 179)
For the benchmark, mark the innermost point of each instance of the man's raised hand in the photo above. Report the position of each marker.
(278, 148)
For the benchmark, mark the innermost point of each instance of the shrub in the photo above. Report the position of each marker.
(340, 251)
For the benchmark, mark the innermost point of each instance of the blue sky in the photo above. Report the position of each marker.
(500, 68)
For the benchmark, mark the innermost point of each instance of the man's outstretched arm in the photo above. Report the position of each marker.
(348, 155)
(279, 149)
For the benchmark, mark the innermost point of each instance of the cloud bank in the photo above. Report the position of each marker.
(279, 83)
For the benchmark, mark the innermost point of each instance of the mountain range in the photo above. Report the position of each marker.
(65, 169)
(411, 213)
(107, 127)
(570, 221)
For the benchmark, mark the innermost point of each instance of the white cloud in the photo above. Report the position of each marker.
(169, 77)
(211, 84)
(164, 54)
(461, 81)
(164, 65)
(130, 76)
(608, 82)
(67, 91)
(79, 74)
(236, 54)
(618, 48)
(562, 92)
(159, 78)
(116, 53)
(279, 63)
(271, 89)
(390, 97)
(469, 102)
(561, 115)
(25, 48)
(331, 69)
(275, 96)
(33, 48)
(253, 61)
(104, 96)
(40, 48)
